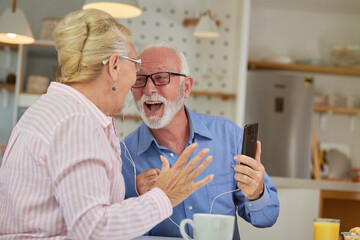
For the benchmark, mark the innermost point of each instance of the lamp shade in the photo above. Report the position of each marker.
(116, 8)
(206, 27)
(14, 28)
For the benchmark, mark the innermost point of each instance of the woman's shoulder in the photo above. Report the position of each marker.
(48, 111)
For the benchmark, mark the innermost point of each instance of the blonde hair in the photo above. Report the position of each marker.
(85, 38)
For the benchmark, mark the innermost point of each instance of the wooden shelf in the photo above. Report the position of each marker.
(224, 96)
(304, 68)
(10, 87)
(336, 110)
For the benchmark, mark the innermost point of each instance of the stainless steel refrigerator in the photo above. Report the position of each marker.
(282, 103)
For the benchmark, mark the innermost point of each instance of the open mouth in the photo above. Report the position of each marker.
(153, 106)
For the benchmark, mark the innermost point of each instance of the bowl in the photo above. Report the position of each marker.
(350, 236)
(346, 55)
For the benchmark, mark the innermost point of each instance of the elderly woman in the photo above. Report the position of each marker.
(61, 173)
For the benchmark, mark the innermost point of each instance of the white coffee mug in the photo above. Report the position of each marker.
(209, 227)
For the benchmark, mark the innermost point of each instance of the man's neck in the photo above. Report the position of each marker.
(176, 134)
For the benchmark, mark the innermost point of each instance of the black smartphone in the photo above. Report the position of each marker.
(249, 140)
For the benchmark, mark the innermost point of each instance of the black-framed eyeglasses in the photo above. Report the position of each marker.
(136, 61)
(158, 79)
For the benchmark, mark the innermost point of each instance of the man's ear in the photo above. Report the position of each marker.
(188, 84)
(113, 66)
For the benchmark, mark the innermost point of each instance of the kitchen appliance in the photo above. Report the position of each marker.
(282, 103)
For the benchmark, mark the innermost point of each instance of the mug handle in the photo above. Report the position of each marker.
(182, 228)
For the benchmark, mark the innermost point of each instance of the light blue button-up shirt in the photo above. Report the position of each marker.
(224, 139)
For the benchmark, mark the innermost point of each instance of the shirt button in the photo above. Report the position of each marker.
(171, 154)
(190, 208)
(249, 204)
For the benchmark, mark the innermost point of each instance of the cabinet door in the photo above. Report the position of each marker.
(298, 208)
(341, 205)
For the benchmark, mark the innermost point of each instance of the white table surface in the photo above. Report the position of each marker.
(155, 238)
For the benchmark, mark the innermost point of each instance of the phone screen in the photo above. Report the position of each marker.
(250, 139)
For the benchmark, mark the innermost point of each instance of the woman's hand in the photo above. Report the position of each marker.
(178, 182)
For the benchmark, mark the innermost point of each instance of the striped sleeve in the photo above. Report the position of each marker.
(132, 217)
(83, 178)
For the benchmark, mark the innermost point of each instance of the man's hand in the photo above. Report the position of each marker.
(145, 181)
(250, 177)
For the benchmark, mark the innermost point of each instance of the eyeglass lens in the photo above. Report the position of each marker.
(157, 78)
(138, 66)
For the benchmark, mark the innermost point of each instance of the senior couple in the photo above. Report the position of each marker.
(65, 176)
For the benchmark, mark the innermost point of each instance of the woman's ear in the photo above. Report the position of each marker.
(188, 83)
(113, 66)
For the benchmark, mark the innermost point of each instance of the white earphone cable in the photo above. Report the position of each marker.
(129, 158)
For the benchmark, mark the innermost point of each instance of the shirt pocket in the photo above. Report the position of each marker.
(220, 198)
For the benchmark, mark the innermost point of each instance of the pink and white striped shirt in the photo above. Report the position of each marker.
(61, 176)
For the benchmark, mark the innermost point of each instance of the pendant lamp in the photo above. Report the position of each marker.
(14, 27)
(206, 27)
(116, 8)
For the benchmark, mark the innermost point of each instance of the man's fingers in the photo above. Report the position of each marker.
(250, 162)
(165, 164)
(150, 173)
(242, 186)
(258, 151)
(244, 179)
(240, 168)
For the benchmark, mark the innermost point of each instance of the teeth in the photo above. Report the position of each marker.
(153, 103)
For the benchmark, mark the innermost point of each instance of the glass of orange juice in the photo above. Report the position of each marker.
(326, 229)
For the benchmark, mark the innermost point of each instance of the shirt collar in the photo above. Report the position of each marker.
(63, 89)
(197, 127)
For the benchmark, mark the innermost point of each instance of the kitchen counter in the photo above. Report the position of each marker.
(155, 238)
(283, 182)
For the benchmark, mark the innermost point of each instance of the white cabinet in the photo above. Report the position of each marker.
(298, 208)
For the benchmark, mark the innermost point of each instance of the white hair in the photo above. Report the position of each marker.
(163, 44)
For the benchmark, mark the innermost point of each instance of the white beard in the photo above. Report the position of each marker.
(170, 109)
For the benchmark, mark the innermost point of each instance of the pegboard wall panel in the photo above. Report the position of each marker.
(211, 61)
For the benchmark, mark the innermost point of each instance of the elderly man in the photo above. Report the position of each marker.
(169, 126)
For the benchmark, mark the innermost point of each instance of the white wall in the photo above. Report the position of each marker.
(306, 30)
(302, 32)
